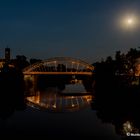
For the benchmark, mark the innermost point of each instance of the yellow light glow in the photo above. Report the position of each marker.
(130, 21)
(54, 106)
(72, 105)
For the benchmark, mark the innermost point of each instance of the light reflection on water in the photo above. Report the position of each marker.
(108, 113)
(52, 100)
(106, 109)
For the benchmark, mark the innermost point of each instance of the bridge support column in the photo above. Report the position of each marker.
(34, 78)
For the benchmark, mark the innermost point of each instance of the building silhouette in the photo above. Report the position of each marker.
(7, 54)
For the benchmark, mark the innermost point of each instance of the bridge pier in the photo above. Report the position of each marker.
(30, 82)
(35, 78)
(60, 71)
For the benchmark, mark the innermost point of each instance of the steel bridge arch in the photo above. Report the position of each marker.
(58, 60)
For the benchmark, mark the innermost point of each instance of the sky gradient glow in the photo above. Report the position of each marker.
(85, 29)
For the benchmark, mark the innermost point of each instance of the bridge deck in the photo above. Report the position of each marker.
(57, 73)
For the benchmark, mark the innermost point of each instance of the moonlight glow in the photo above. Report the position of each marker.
(128, 22)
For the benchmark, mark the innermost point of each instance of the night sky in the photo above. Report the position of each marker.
(85, 29)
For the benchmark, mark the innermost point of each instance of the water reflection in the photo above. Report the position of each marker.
(41, 82)
(113, 104)
(51, 100)
(12, 92)
(118, 105)
(57, 93)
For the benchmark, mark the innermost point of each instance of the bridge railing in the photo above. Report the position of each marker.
(57, 73)
(60, 65)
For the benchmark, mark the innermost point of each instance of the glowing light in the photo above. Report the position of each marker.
(127, 126)
(72, 105)
(54, 106)
(130, 21)
(137, 67)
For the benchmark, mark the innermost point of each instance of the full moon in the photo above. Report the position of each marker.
(130, 21)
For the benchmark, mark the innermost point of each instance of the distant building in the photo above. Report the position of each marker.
(6, 59)
(137, 67)
(7, 54)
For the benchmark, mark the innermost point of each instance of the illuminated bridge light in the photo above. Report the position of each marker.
(60, 65)
(60, 103)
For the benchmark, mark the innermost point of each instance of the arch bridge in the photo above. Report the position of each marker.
(59, 66)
